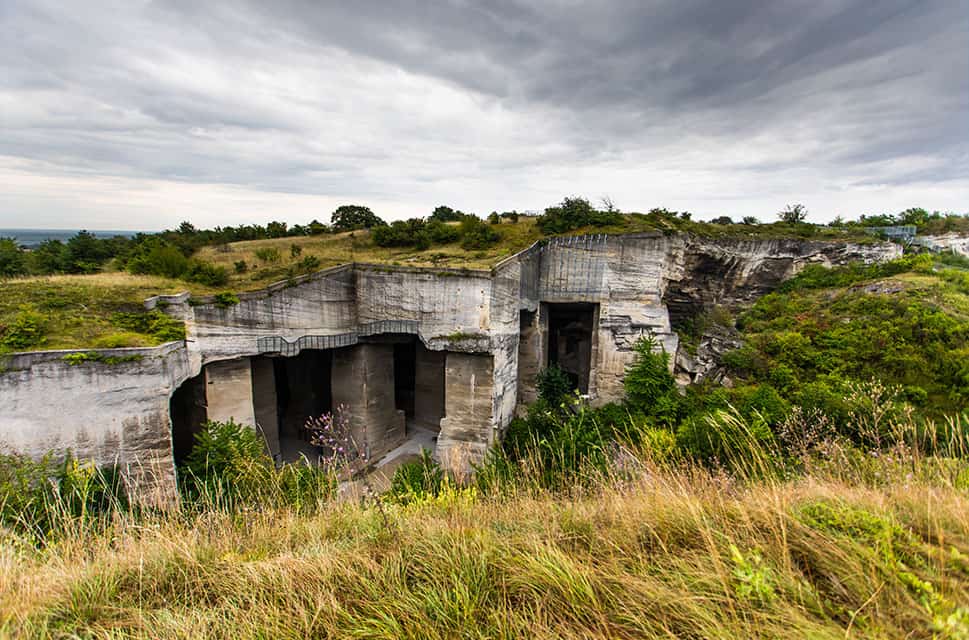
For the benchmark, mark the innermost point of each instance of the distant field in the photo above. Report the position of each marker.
(356, 246)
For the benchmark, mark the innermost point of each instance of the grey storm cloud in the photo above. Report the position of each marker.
(410, 101)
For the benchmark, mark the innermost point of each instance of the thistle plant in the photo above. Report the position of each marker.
(332, 433)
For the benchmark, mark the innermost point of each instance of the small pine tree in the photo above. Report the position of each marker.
(650, 386)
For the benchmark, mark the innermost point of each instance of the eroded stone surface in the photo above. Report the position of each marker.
(640, 284)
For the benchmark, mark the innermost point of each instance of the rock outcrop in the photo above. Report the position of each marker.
(590, 297)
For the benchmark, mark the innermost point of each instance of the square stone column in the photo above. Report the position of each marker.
(429, 388)
(467, 430)
(363, 381)
(228, 391)
(264, 402)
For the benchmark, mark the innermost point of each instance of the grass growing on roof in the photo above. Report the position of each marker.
(102, 310)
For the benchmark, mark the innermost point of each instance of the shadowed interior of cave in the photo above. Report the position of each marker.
(570, 328)
(303, 391)
(187, 410)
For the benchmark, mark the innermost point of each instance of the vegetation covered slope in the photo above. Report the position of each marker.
(904, 323)
(97, 310)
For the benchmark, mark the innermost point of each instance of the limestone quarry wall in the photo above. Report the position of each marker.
(111, 413)
(489, 327)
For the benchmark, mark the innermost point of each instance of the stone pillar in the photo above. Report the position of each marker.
(228, 391)
(531, 354)
(264, 402)
(468, 426)
(429, 388)
(363, 381)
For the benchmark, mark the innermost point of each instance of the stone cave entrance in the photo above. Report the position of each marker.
(571, 331)
(392, 384)
(299, 388)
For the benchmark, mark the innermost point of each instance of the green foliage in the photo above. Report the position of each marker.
(160, 259)
(793, 214)
(240, 266)
(228, 467)
(226, 459)
(42, 498)
(823, 330)
(753, 579)
(573, 213)
(82, 357)
(13, 261)
(295, 250)
(349, 217)
(477, 234)
(446, 214)
(225, 299)
(650, 387)
(494, 218)
(417, 480)
(400, 233)
(154, 323)
(268, 254)
(26, 331)
(553, 385)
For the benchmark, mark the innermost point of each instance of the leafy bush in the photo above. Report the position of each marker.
(153, 323)
(573, 213)
(553, 385)
(268, 254)
(13, 261)
(414, 481)
(225, 299)
(350, 216)
(446, 214)
(39, 498)
(26, 331)
(240, 266)
(477, 234)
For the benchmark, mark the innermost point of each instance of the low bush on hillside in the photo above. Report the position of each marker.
(573, 213)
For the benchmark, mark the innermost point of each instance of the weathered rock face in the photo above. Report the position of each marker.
(946, 242)
(483, 337)
(109, 413)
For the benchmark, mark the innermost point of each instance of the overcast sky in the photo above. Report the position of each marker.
(133, 114)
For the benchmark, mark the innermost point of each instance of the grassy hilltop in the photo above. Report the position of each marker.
(83, 293)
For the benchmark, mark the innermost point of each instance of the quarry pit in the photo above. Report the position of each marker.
(453, 352)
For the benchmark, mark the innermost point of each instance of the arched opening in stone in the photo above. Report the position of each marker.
(188, 414)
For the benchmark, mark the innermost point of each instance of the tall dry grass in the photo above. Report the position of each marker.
(841, 543)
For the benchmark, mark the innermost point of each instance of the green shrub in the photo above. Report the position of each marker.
(650, 387)
(13, 261)
(26, 331)
(155, 323)
(728, 439)
(227, 460)
(477, 234)
(573, 213)
(40, 498)
(205, 273)
(414, 481)
(553, 385)
(268, 254)
(240, 266)
(225, 299)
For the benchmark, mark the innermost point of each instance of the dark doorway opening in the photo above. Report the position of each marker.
(188, 413)
(303, 391)
(570, 340)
